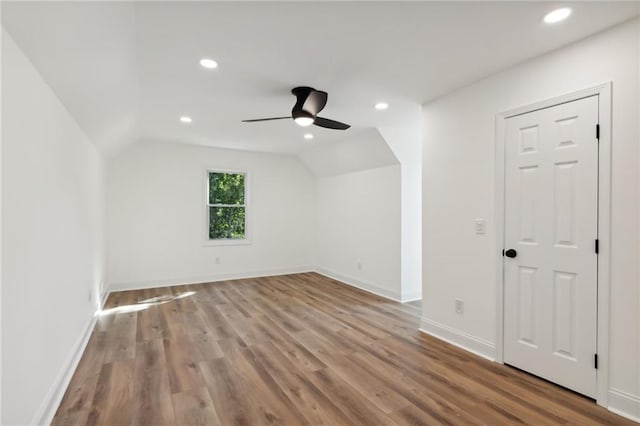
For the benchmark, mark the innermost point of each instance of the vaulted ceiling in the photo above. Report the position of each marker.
(129, 70)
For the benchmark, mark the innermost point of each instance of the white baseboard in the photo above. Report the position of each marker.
(458, 338)
(354, 282)
(139, 285)
(50, 404)
(624, 404)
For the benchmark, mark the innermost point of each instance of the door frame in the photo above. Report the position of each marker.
(603, 91)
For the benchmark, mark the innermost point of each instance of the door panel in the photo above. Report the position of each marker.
(526, 296)
(551, 172)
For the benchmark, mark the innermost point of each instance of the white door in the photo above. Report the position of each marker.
(551, 221)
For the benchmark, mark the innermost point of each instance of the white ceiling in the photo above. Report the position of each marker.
(129, 70)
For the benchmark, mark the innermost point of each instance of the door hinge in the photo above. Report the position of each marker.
(595, 361)
(597, 246)
(598, 132)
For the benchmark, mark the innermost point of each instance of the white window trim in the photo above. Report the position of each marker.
(206, 241)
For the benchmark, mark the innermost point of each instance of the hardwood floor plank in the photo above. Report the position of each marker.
(195, 408)
(426, 397)
(152, 392)
(170, 320)
(79, 394)
(121, 338)
(268, 397)
(194, 323)
(228, 392)
(218, 325)
(468, 402)
(352, 403)
(292, 349)
(239, 302)
(77, 418)
(462, 382)
(377, 391)
(414, 416)
(113, 400)
(204, 347)
(309, 400)
(149, 325)
(182, 365)
(78, 399)
(295, 349)
(183, 298)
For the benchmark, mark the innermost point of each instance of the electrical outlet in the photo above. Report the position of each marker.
(459, 306)
(359, 266)
(217, 260)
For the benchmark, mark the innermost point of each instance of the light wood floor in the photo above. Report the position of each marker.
(297, 349)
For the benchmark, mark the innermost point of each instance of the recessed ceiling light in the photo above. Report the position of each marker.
(308, 136)
(208, 63)
(557, 15)
(382, 105)
(185, 119)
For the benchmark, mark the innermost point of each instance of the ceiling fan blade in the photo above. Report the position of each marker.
(316, 100)
(330, 124)
(265, 119)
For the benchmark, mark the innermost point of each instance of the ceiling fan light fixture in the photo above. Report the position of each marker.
(303, 121)
(302, 118)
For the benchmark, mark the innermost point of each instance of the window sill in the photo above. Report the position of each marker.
(217, 243)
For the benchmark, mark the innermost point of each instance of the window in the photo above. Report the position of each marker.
(227, 205)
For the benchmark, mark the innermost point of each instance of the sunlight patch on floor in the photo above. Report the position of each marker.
(145, 304)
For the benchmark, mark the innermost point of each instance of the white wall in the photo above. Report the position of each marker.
(358, 221)
(406, 144)
(156, 196)
(359, 212)
(458, 186)
(1, 35)
(364, 150)
(638, 258)
(52, 241)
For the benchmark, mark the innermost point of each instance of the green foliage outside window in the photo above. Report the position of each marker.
(227, 215)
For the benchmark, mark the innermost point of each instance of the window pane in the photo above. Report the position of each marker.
(226, 188)
(226, 223)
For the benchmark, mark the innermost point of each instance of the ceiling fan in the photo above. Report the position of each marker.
(309, 102)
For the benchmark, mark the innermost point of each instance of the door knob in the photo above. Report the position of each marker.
(511, 253)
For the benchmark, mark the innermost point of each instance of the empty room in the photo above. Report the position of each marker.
(320, 213)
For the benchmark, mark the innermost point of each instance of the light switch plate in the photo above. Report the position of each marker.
(481, 226)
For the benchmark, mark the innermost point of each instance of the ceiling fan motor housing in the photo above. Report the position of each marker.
(309, 110)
